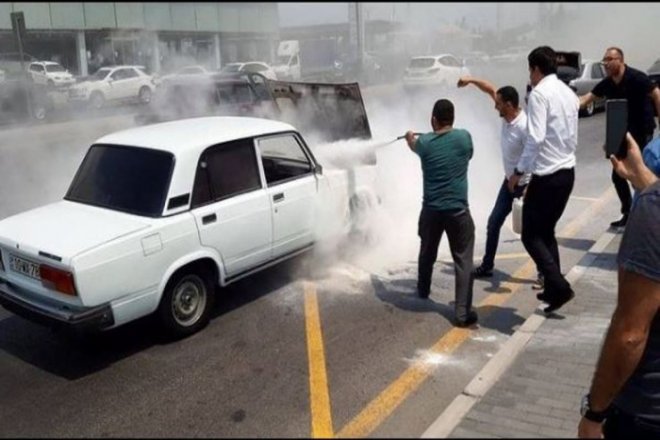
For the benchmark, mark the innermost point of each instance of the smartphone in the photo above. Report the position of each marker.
(616, 127)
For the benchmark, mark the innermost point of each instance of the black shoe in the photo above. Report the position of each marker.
(482, 272)
(556, 305)
(542, 296)
(621, 222)
(471, 319)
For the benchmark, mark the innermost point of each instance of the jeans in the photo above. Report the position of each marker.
(460, 231)
(501, 210)
(545, 202)
(623, 425)
(621, 184)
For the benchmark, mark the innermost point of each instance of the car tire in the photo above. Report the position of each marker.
(186, 305)
(39, 111)
(96, 100)
(144, 95)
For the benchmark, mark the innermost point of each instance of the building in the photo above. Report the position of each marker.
(84, 36)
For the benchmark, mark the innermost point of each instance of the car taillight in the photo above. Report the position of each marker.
(57, 279)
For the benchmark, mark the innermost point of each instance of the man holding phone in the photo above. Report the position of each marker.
(624, 82)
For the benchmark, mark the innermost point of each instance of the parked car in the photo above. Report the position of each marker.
(654, 72)
(114, 84)
(581, 76)
(158, 216)
(252, 66)
(50, 73)
(183, 71)
(442, 70)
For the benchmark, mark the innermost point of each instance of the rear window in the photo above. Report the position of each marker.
(127, 179)
(54, 68)
(231, 68)
(655, 68)
(421, 63)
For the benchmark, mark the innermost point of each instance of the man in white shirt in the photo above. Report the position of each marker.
(549, 154)
(514, 132)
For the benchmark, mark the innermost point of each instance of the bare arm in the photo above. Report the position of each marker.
(655, 96)
(485, 86)
(632, 168)
(586, 99)
(410, 140)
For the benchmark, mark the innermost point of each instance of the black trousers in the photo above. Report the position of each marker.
(460, 232)
(624, 425)
(621, 184)
(545, 202)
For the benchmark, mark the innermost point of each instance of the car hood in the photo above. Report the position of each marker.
(66, 229)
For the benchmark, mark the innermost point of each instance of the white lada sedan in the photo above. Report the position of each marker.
(158, 216)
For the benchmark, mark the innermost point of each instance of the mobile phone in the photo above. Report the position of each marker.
(616, 127)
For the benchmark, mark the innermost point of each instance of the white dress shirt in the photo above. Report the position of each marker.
(552, 128)
(513, 138)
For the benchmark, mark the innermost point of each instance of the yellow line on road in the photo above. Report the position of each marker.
(586, 199)
(398, 391)
(319, 396)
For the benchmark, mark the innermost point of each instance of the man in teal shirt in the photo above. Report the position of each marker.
(445, 154)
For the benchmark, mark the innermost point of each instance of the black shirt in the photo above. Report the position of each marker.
(635, 86)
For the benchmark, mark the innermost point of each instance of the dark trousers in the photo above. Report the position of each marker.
(501, 210)
(624, 425)
(621, 184)
(545, 202)
(460, 232)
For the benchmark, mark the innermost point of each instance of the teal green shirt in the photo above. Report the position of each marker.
(445, 159)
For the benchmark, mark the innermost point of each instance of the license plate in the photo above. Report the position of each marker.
(24, 267)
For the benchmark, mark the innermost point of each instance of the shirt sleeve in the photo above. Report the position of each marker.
(640, 247)
(537, 120)
(600, 89)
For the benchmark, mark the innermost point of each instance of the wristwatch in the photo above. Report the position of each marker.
(589, 414)
(517, 172)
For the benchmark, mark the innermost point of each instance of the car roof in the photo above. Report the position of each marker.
(193, 135)
(44, 62)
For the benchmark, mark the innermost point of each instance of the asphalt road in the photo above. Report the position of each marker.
(326, 344)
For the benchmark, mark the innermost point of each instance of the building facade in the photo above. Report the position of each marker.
(84, 36)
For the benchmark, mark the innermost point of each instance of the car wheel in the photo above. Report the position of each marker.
(39, 111)
(186, 304)
(144, 95)
(96, 100)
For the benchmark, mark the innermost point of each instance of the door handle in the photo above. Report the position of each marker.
(278, 197)
(209, 219)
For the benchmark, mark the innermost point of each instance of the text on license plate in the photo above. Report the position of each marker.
(24, 267)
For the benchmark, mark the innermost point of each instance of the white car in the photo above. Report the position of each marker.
(116, 83)
(158, 216)
(253, 66)
(442, 70)
(187, 71)
(49, 73)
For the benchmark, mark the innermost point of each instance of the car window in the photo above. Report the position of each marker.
(54, 68)
(294, 61)
(117, 74)
(421, 63)
(231, 68)
(34, 67)
(101, 74)
(130, 73)
(129, 179)
(597, 71)
(254, 67)
(226, 170)
(283, 158)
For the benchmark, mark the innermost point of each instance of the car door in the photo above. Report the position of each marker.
(115, 84)
(292, 187)
(38, 73)
(231, 206)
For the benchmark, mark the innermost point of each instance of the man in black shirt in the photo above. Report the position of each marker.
(624, 82)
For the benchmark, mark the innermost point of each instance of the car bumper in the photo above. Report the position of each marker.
(27, 305)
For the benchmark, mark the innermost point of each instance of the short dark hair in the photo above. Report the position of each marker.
(509, 94)
(616, 49)
(545, 58)
(443, 111)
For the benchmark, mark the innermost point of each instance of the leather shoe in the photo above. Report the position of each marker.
(471, 319)
(621, 222)
(556, 305)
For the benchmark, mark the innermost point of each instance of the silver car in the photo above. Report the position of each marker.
(583, 81)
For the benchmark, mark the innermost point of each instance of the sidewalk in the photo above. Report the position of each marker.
(538, 394)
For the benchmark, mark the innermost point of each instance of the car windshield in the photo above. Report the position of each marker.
(100, 74)
(127, 179)
(283, 60)
(421, 63)
(231, 68)
(54, 68)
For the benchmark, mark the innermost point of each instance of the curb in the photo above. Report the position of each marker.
(452, 416)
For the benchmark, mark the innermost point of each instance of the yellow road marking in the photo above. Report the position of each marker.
(389, 399)
(319, 396)
(586, 199)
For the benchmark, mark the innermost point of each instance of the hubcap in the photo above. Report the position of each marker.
(188, 301)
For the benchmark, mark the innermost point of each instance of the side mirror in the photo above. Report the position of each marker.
(319, 169)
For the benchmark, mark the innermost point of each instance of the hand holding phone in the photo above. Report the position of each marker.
(616, 128)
